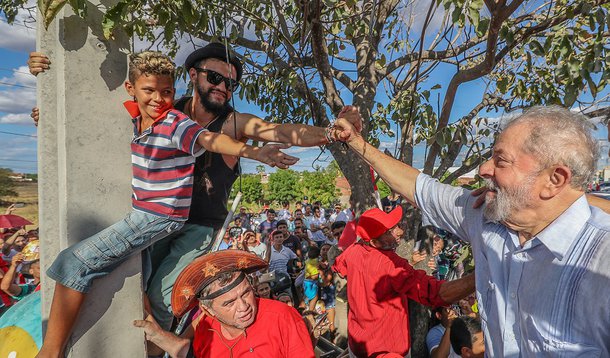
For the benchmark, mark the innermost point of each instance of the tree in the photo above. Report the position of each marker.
(309, 57)
(251, 188)
(320, 185)
(7, 185)
(283, 186)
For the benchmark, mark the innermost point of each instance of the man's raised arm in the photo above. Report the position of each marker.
(398, 175)
(294, 134)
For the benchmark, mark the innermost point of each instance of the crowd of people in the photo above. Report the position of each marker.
(299, 271)
(298, 259)
(19, 263)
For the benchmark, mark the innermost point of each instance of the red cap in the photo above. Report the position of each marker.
(373, 223)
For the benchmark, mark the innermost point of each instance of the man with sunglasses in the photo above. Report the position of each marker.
(214, 72)
(379, 284)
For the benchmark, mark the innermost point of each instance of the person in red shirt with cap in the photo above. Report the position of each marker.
(379, 284)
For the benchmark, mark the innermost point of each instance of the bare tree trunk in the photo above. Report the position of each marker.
(357, 173)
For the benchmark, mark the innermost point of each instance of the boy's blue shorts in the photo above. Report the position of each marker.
(78, 265)
(310, 290)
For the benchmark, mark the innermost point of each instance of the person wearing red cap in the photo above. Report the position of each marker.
(539, 244)
(379, 284)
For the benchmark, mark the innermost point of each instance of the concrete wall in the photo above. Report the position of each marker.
(84, 172)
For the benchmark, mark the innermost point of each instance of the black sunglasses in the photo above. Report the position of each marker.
(216, 78)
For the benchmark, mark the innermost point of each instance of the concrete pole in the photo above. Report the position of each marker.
(84, 171)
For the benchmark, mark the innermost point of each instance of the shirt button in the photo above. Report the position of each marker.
(251, 349)
(512, 295)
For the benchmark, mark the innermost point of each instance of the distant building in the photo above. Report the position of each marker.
(19, 177)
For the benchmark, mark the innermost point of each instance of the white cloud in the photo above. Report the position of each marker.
(415, 15)
(16, 100)
(21, 36)
(298, 150)
(19, 154)
(16, 118)
(21, 76)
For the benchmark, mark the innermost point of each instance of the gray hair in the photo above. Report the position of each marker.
(559, 136)
(222, 280)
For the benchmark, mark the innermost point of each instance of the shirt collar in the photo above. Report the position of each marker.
(134, 110)
(561, 233)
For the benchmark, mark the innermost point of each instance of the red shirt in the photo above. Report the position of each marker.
(378, 286)
(278, 331)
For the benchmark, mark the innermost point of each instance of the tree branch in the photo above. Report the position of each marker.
(456, 145)
(320, 52)
(497, 19)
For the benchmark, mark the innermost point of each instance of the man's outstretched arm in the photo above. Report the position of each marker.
(453, 291)
(300, 135)
(398, 175)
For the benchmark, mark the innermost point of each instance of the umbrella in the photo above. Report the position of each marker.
(10, 221)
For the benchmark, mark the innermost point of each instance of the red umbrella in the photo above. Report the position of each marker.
(10, 221)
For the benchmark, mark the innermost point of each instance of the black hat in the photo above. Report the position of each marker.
(214, 50)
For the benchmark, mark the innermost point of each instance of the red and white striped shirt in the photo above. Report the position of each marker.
(163, 160)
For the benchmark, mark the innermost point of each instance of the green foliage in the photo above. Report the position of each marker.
(34, 177)
(9, 8)
(283, 186)
(6, 184)
(383, 188)
(559, 65)
(290, 185)
(320, 185)
(536, 53)
(251, 188)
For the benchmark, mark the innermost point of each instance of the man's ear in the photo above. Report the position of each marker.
(559, 178)
(466, 352)
(192, 74)
(130, 89)
(206, 310)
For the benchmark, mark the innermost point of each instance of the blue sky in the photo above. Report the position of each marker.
(18, 96)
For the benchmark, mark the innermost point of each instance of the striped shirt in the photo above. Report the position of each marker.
(279, 259)
(163, 160)
(547, 298)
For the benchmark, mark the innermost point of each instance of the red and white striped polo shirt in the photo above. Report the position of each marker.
(163, 160)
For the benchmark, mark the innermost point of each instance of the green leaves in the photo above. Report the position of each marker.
(536, 48)
(113, 17)
(283, 186)
(10, 8)
(49, 9)
(289, 185)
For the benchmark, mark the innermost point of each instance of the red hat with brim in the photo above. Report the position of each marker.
(205, 270)
(373, 223)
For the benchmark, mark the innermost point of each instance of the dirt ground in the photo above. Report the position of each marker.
(28, 194)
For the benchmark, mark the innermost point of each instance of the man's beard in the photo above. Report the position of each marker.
(507, 201)
(210, 106)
